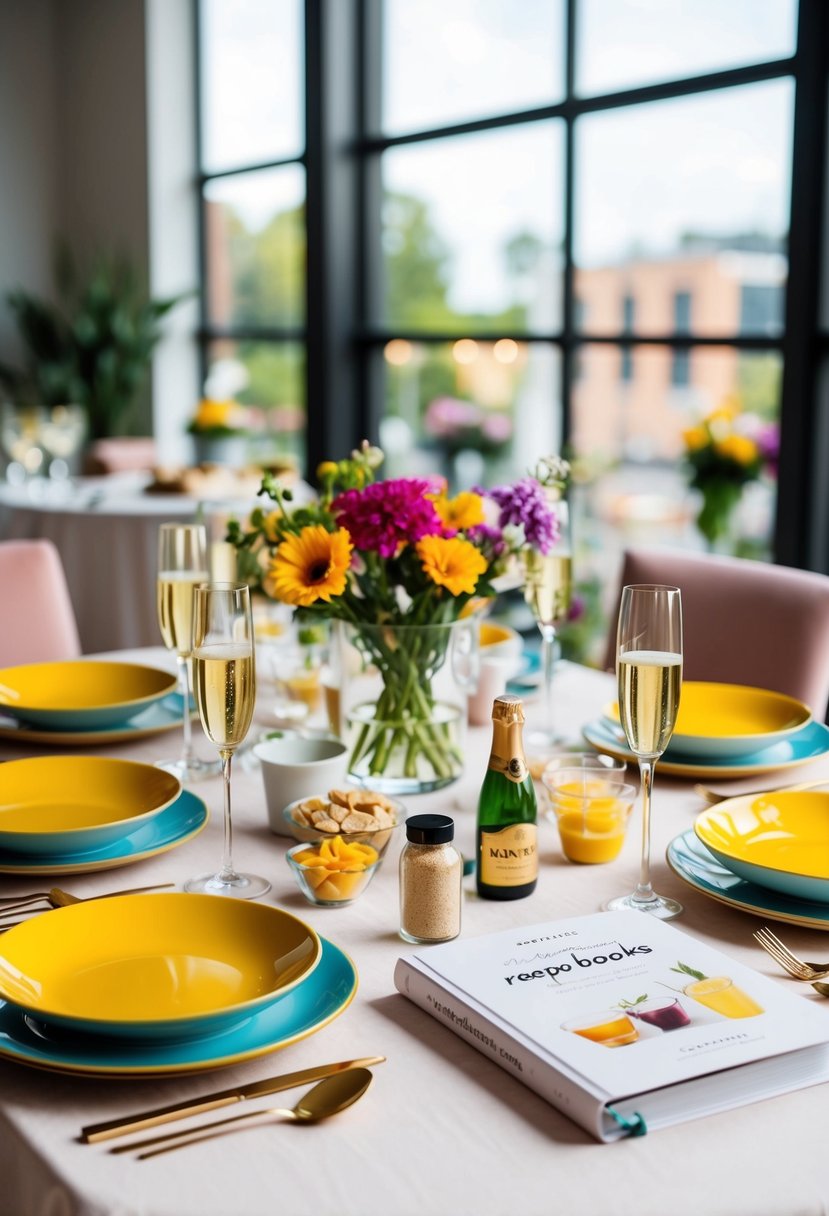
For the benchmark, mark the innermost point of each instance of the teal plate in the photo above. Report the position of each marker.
(178, 822)
(326, 993)
(165, 714)
(809, 743)
(691, 861)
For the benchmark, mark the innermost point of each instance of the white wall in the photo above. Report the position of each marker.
(81, 115)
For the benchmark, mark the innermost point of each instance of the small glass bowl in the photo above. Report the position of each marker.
(329, 888)
(378, 838)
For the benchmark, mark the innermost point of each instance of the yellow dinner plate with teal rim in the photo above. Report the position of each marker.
(155, 966)
(52, 805)
(306, 1009)
(803, 746)
(80, 695)
(722, 721)
(777, 840)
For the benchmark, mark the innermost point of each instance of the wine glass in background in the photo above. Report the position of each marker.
(61, 435)
(225, 683)
(182, 564)
(649, 672)
(548, 589)
(20, 434)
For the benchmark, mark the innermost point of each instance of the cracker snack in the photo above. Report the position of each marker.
(352, 813)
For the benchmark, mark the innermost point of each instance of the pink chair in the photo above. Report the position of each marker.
(744, 622)
(37, 621)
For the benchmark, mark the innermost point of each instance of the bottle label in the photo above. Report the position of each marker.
(509, 857)
(514, 768)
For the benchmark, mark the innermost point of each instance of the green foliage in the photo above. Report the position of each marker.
(92, 348)
(684, 969)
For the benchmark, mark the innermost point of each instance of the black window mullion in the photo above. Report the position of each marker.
(568, 276)
(800, 473)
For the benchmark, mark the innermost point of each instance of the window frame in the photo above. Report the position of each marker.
(343, 151)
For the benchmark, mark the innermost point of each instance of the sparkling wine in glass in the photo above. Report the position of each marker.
(649, 673)
(182, 565)
(224, 678)
(548, 589)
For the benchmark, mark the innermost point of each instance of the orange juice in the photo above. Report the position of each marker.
(303, 686)
(595, 835)
(610, 1029)
(721, 995)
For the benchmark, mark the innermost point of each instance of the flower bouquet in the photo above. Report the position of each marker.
(401, 568)
(723, 453)
(220, 430)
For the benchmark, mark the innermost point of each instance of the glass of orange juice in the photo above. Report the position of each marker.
(611, 1028)
(721, 995)
(592, 813)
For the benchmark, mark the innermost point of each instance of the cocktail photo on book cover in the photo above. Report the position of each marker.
(616, 1003)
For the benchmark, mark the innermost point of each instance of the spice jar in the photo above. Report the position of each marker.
(431, 869)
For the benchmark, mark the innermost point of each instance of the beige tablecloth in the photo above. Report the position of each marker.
(442, 1130)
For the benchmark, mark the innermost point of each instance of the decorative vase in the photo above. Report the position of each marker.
(720, 498)
(403, 702)
(229, 449)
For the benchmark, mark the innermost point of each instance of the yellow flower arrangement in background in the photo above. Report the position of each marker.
(723, 452)
(219, 419)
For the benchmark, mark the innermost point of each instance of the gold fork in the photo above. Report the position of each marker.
(712, 795)
(59, 898)
(796, 967)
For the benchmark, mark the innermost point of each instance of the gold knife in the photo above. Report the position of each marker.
(226, 1097)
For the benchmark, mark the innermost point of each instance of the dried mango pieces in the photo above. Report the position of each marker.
(336, 869)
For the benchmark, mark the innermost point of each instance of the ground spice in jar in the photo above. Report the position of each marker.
(431, 870)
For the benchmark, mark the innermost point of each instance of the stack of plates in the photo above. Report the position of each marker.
(726, 730)
(79, 703)
(164, 983)
(767, 854)
(77, 814)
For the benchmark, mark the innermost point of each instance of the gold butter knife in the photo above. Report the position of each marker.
(225, 1097)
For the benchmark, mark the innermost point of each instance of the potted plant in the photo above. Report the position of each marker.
(92, 347)
(220, 432)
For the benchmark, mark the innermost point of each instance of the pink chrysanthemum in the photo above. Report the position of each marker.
(388, 514)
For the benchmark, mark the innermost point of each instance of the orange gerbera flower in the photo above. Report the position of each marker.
(310, 566)
(451, 562)
(465, 510)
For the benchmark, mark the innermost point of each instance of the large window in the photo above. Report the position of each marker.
(515, 227)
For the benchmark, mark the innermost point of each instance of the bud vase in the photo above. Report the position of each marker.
(403, 702)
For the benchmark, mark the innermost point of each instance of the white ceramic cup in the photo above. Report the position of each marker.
(294, 767)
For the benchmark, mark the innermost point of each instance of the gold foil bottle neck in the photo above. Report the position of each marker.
(507, 709)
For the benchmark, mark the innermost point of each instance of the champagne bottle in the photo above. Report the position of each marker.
(507, 845)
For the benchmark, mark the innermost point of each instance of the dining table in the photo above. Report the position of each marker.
(442, 1131)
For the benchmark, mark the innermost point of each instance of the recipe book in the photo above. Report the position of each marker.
(621, 1021)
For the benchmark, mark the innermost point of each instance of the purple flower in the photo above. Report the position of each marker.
(525, 504)
(488, 539)
(388, 514)
(768, 443)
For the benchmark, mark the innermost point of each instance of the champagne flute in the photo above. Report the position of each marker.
(225, 683)
(182, 564)
(649, 671)
(548, 583)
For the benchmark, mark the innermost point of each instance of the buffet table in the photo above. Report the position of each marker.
(442, 1129)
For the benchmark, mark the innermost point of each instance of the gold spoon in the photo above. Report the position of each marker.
(712, 797)
(327, 1098)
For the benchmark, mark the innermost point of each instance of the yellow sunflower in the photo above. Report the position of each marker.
(310, 566)
(465, 510)
(270, 526)
(451, 562)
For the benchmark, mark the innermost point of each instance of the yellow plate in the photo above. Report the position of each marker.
(155, 966)
(777, 840)
(61, 804)
(721, 721)
(806, 745)
(82, 695)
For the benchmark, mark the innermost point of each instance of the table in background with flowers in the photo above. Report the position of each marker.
(442, 1129)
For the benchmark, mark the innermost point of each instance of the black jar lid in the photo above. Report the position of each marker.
(430, 829)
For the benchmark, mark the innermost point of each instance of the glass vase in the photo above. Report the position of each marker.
(403, 702)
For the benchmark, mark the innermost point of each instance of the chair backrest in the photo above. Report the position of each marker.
(744, 622)
(121, 454)
(37, 621)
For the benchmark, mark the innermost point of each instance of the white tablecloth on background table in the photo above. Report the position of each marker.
(442, 1130)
